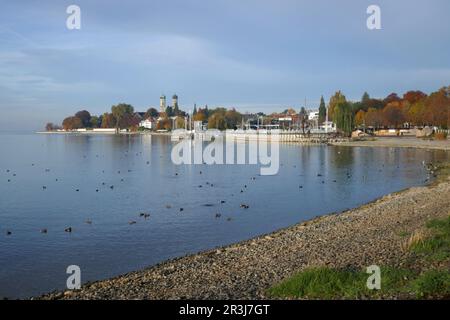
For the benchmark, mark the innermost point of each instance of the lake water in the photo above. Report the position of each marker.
(144, 180)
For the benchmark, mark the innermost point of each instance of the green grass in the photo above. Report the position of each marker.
(403, 234)
(437, 246)
(434, 283)
(328, 283)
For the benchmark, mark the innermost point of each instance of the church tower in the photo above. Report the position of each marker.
(162, 103)
(175, 101)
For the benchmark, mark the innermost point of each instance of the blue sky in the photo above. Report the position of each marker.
(251, 54)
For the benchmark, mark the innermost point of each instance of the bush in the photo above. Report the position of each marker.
(440, 136)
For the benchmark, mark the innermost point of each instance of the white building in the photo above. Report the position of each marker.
(328, 126)
(148, 123)
(313, 115)
(198, 126)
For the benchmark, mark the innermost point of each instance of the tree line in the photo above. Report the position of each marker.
(123, 116)
(414, 108)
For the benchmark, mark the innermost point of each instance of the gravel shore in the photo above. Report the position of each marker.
(371, 234)
(399, 142)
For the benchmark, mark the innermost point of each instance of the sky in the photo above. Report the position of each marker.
(254, 55)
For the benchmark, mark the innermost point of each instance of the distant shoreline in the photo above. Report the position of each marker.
(387, 142)
(102, 133)
(399, 142)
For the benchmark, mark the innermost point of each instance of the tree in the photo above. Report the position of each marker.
(164, 124)
(169, 111)
(151, 113)
(393, 115)
(232, 119)
(199, 116)
(119, 111)
(108, 120)
(129, 121)
(72, 123)
(217, 121)
(366, 103)
(373, 103)
(322, 110)
(95, 122)
(365, 98)
(85, 118)
(337, 98)
(195, 110)
(343, 116)
(303, 117)
(373, 118)
(393, 97)
(51, 127)
(416, 112)
(414, 96)
(360, 118)
(179, 122)
(437, 108)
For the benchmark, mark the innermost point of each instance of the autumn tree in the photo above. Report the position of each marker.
(179, 122)
(414, 96)
(373, 118)
(217, 121)
(416, 112)
(119, 111)
(72, 123)
(165, 123)
(393, 97)
(129, 121)
(199, 116)
(437, 108)
(360, 118)
(393, 115)
(108, 120)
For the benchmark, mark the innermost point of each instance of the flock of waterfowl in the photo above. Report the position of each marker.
(428, 166)
(144, 215)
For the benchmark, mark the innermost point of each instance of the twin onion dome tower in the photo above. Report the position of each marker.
(163, 104)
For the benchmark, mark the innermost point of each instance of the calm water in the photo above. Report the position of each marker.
(145, 180)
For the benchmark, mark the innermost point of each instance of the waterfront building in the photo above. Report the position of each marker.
(148, 123)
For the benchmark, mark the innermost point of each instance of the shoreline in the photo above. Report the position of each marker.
(359, 237)
(384, 142)
(399, 142)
